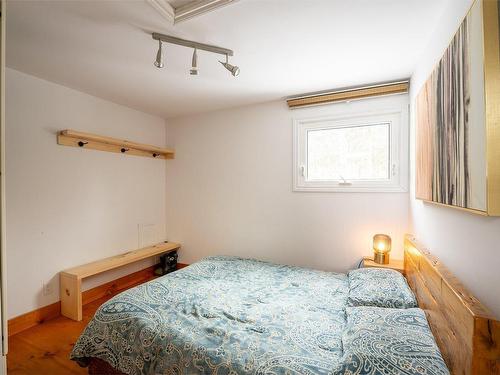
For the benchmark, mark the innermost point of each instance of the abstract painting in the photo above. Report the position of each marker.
(450, 158)
(443, 119)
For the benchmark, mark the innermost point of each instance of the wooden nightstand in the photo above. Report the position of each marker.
(394, 264)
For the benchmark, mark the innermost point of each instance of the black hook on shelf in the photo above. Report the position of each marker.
(124, 149)
(82, 143)
(155, 155)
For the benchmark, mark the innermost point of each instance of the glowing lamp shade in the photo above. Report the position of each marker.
(381, 248)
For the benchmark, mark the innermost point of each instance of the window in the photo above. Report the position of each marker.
(354, 154)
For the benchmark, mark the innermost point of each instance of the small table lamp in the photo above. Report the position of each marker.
(381, 248)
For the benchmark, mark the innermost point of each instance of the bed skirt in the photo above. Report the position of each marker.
(99, 367)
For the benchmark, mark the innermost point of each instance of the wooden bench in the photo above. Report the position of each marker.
(71, 279)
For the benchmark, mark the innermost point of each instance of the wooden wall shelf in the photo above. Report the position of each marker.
(97, 142)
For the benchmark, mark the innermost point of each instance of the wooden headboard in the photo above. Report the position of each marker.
(467, 334)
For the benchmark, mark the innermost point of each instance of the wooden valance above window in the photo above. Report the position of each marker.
(353, 93)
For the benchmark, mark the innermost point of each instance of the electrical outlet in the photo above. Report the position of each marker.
(47, 288)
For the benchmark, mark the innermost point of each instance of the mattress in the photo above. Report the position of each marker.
(227, 315)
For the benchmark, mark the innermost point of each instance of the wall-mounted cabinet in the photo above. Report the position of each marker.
(458, 119)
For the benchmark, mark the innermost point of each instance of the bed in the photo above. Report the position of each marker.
(227, 315)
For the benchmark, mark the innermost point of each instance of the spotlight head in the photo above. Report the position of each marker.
(235, 71)
(194, 64)
(159, 56)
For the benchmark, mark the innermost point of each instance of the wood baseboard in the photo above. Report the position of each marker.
(25, 321)
(33, 318)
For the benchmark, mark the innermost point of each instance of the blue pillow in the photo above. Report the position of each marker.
(379, 287)
(379, 341)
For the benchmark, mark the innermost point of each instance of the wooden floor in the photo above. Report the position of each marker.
(44, 349)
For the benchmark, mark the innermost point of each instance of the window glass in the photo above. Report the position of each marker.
(360, 152)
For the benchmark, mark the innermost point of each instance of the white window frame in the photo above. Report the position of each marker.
(398, 150)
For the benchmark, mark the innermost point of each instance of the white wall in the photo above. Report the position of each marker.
(466, 243)
(67, 206)
(231, 189)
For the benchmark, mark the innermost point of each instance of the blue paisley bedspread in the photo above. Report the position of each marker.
(227, 315)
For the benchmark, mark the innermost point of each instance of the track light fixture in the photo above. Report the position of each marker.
(194, 64)
(235, 71)
(159, 56)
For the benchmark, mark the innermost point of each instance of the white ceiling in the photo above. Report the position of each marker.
(283, 47)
